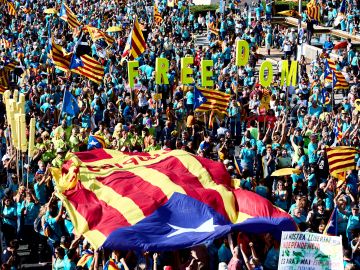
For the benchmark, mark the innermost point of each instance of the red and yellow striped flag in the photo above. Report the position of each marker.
(4, 78)
(341, 81)
(107, 192)
(135, 45)
(10, 65)
(60, 57)
(313, 10)
(27, 10)
(341, 158)
(213, 29)
(97, 34)
(2, 89)
(157, 16)
(68, 16)
(91, 69)
(5, 43)
(216, 101)
(11, 9)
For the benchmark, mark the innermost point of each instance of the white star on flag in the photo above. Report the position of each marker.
(207, 226)
(200, 99)
(77, 60)
(93, 143)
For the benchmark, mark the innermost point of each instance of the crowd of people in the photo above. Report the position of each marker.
(264, 130)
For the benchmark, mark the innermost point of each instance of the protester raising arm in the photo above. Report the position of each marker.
(246, 259)
(283, 131)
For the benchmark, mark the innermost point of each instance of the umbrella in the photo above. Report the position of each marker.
(50, 11)
(114, 29)
(285, 171)
(340, 45)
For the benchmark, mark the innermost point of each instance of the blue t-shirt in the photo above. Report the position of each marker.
(55, 228)
(32, 211)
(248, 156)
(40, 193)
(312, 180)
(315, 111)
(224, 254)
(312, 152)
(190, 98)
(9, 213)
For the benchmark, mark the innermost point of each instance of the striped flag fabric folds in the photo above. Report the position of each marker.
(87, 66)
(60, 57)
(135, 44)
(11, 9)
(213, 100)
(157, 16)
(2, 89)
(111, 265)
(96, 141)
(97, 34)
(6, 43)
(68, 16)
(331, 226)
(162, 200)
(341, 158)
(341, 82)
(4, 78)
(86, 258)
(213, 29)
(10, 65)
(313, 10)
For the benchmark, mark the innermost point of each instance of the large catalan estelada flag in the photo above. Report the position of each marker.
(163, 200)
(60, 57)
(210, 100)
(157, 16)
(97, 34)
(135, 44)
(341, 82)
(87, 66)
(331, 227)
(313, 10)
(341, 158)
(11, 9)
(96, 141)
(68, 16)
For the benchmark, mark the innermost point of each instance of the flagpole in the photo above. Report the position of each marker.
(62, 105)
(27, 173)
(332, 92)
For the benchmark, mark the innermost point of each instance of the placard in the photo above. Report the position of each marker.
(310, 251)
